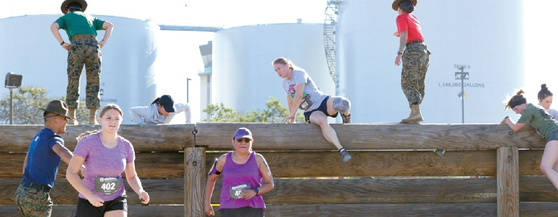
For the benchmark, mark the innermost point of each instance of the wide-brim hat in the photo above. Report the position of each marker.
(58, 107)
(395, 4)
(64, 6)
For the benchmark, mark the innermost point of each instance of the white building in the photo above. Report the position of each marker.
(243, 77)
(485, 36)
(129, 58)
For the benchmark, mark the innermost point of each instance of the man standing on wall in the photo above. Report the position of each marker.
(416, 57)
(83, 49)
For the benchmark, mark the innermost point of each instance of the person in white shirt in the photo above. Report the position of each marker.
(545, 100)
(161, 111)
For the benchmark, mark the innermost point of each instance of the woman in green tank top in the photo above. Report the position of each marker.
(537, 117)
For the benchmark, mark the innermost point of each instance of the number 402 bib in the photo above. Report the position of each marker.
(107, 185)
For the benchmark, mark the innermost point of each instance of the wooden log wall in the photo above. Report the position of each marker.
(487, 170)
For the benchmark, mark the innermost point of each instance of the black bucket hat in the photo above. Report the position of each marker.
(64, 6)
(58, 107)
(396, 3)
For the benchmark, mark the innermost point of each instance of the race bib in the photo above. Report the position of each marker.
(107, 185)
(305, 104)
(236, 191)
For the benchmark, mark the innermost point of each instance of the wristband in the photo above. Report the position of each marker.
(61, 43)
(399, 53)
(257, 191)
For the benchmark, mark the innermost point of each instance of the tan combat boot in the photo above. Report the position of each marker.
(72, 114)
(415, 117)
(92, 116)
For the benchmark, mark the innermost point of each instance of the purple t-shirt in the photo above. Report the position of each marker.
(240, 174)
(104, 162)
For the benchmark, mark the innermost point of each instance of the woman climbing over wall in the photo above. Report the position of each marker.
(544, 123)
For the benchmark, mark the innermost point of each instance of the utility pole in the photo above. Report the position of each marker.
(462, 76)
(188, 90)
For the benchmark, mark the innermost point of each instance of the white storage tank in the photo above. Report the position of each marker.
(484, 36)
(129, 57)
(243, 77)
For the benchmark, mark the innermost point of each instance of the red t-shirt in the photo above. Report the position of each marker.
(408, 22)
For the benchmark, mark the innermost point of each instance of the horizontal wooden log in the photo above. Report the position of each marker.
(537, 189)
(538, 209)
(364, 190)
(161, 191)
(310, 164)
(318, 210)
(370, 190)
(377, 163)
(381, 210)
(530, 162)
(16, 138)
(148, 165)
(133, 211)
(217, 136)
(370, 136)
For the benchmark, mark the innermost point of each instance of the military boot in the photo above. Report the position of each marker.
(415, 117)
(72, 114)
(92, 116)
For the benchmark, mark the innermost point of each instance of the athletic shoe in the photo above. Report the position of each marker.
(346, 118)
(345, 155)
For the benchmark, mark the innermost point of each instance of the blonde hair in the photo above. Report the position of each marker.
(284, 61)
(109, 107)
(86, 134)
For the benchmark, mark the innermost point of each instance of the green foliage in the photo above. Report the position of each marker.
(26, 104)
(275, 113)
(82, 113)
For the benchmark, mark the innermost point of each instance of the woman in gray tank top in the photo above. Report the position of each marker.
(303, 93)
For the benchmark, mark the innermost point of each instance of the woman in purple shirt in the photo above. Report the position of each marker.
(242, 170)
(106, 155)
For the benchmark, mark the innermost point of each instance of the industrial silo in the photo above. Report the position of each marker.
(486, 37)
(127, 78)
(243, 77)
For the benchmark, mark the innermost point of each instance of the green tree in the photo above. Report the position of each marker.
(274, 113)
(82, 113)
(26, 104)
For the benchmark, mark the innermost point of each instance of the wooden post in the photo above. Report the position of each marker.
(194, 181)
(508, 181)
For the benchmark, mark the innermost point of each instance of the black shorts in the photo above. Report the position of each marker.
(322, 108)
(86, 209)
(242, 212)
(553, 136)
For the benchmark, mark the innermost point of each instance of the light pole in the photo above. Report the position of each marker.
(188, 90)
(462, 76)
(12, 81)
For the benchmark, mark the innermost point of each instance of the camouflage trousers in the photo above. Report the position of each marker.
(32, 202)
(416, 60)
(84, 51)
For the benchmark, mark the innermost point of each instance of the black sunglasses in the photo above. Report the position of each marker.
(246, 140)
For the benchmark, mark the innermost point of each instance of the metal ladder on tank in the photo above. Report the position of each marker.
(330, 25)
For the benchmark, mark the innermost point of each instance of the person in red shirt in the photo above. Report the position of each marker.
(415, 56)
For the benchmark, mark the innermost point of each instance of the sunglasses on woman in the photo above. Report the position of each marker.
(246, 140)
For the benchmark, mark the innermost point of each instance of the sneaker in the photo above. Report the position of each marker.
(345, 155)
(346, 118)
